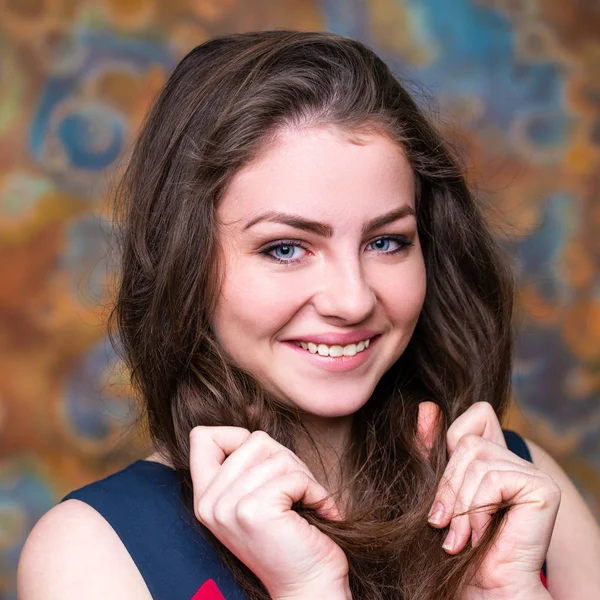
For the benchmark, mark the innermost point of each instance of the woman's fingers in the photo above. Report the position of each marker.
(278, 495)
(470, 448)
(461, 523)
(235, 464)
(476, 434)
(261, 474)
(535, 497)
(479, 459)
(480, 420)
(209, 447)
(256, 448)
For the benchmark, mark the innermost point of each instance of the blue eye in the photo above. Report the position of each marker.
(283, 251)
(382, 244)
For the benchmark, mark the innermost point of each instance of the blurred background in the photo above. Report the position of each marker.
(515, 85)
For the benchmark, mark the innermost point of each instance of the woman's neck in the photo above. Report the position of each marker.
(331, 438)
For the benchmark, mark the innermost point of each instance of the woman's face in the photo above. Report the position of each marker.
(324, 276)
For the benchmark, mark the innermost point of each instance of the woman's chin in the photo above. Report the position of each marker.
(330, 410)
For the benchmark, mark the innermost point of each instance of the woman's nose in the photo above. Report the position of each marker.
(345, 294)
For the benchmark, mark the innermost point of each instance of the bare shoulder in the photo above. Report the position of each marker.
(72, 552)
(574, 552)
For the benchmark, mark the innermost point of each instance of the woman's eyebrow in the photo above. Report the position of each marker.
(325, 230)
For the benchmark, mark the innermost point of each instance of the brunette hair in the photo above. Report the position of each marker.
(222, 105)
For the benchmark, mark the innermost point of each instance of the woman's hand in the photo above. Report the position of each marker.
(482, 471)
(244, 487)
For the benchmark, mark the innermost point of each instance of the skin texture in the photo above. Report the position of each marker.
(333, 285)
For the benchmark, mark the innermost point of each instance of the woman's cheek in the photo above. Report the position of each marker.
(403, 294)
(260, 302)
(275, 289)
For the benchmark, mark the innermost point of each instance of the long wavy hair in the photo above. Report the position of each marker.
(222, 105)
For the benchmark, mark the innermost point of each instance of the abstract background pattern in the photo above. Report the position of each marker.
(514, 84)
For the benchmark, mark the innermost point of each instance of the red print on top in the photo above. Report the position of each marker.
(208, 591)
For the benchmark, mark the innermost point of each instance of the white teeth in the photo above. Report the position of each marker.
(350, 350)
(335, 350)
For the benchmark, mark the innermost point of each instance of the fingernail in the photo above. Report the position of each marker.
(449, 541)
(436, 513)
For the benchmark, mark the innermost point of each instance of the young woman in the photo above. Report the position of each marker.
(318, 323)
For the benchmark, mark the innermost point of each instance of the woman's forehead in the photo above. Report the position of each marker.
(320, 172)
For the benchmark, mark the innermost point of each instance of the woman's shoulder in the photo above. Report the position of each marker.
(73, 548)
(78, 544)
(130, 533)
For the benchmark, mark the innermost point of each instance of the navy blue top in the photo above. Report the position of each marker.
(144, 506)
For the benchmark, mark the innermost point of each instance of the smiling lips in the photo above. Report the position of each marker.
(335, 357)
(336, 349)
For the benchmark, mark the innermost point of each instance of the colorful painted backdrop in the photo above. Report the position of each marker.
(517, 85)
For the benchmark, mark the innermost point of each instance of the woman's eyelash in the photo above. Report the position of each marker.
(403, 243)
(282, 244)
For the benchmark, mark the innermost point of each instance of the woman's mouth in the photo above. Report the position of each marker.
(335, 357)
(335, 350)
